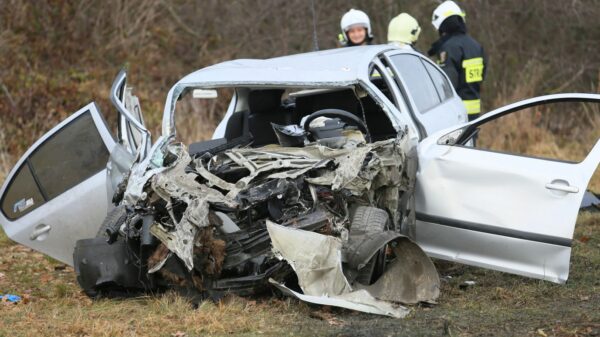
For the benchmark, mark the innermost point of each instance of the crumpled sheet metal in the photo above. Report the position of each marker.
(351, 171)
(141, 172)
(375, 172)
(175, 183)
(317, 261)
(359, 300)
(212, 179)
(316, 257)
(411, 278)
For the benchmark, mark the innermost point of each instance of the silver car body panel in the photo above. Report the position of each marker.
(55, 226)
(497, 210)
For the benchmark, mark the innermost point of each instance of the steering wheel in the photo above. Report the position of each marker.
(344, 115)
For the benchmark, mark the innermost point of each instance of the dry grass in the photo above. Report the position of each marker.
(499, 304)
(5, 158)
(56, 307)
(166, 315)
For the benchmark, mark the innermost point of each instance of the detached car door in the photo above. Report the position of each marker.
(502, 211)
(57, 192)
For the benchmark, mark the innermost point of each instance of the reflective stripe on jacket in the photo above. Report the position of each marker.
(465, 63)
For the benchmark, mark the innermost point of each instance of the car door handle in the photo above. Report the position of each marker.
(39, 232)
(563, 188)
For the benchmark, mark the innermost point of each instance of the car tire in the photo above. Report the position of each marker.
(370, 220)
(115, 217)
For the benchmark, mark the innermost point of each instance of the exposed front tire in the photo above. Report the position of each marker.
(370, 220)
(114, 219)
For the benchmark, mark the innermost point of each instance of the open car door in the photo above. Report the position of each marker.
(132, 133)
(502, 211)
(57, 192)
(133, 138)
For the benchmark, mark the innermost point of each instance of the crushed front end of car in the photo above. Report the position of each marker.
(328, 222)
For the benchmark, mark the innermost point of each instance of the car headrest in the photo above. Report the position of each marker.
(267, 100)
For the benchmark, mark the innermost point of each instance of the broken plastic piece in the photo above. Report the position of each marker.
(10, 298)
(227, 225)
(289, 135)
(359, 300)
(590, 202)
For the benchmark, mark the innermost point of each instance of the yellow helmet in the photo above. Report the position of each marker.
(404, 28)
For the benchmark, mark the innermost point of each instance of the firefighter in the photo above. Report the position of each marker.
(356, 29)
(403, 31)
(461, 57)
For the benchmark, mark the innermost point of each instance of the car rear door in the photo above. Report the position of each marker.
(57, 192)
(434, 102)
(507, 212)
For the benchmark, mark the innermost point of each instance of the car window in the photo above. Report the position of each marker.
(442, 85)
(22, 195)
(418, 82)
(196, 116)
(379, 81)
(565, 131)
(68, 157)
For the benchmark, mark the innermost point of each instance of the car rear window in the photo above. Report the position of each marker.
(68, 157)
(442, 85)
(418, 81)
(23, 194)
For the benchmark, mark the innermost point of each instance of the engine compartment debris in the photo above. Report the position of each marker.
(324, 222)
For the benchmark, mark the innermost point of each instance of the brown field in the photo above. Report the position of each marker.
(56, 56)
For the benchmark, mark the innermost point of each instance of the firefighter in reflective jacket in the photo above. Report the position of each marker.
(461, 57)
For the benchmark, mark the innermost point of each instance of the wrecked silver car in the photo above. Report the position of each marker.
(234, 220)
(332, 177)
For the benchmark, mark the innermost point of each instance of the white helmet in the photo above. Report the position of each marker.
(445, 10)
(355, 17)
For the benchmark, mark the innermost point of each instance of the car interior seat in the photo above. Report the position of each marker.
(237, 125)
(339, 99)
(379, 124)
(265, 107)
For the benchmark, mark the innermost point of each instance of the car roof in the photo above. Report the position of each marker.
(333, 67)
